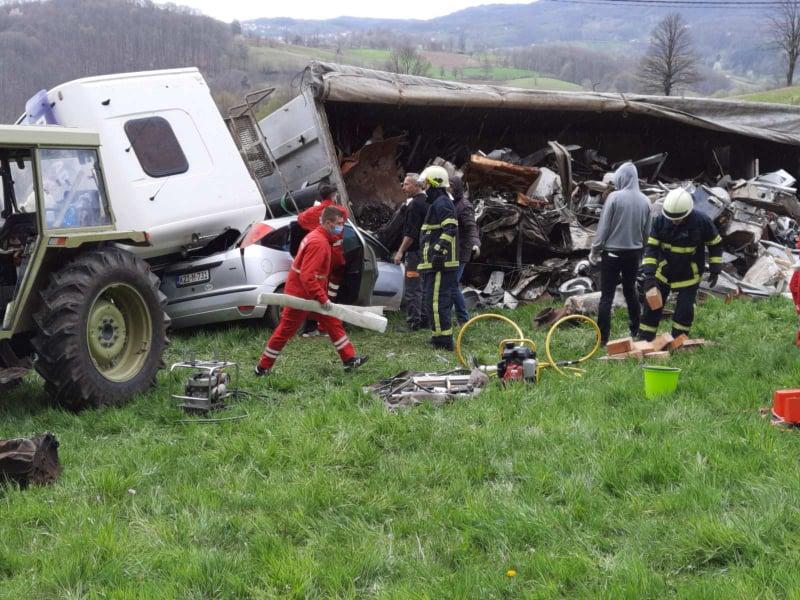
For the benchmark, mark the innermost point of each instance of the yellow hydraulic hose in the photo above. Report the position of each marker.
(474, 320)
(560, 367)
(548, 341)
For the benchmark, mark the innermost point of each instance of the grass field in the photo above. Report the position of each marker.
(544, 83)
(580, 486)
(787, 95)
(497, 73)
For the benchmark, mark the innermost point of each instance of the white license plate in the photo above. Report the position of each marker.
(193, 278)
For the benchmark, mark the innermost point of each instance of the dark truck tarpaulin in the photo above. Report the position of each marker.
(339, 83)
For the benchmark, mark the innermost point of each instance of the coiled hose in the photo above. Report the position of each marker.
(561, 367)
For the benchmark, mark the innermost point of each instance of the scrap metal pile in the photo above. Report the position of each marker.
(537, 215)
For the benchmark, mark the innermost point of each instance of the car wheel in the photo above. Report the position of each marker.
(273, 314)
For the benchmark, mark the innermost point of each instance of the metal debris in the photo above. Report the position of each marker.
(412, 388)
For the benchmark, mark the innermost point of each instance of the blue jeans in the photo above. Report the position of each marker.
(458, 298)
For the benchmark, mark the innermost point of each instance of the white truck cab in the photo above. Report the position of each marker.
(171, 165)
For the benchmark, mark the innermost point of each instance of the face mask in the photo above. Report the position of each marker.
(338, 229)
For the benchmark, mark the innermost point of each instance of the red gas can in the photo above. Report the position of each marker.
(786, 405)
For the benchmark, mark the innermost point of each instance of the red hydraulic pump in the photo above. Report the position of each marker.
(517, 363)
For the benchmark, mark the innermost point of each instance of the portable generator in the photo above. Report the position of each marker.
(208, 385)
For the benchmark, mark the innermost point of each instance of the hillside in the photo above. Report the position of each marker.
(616, 29)
(46, 43)
(279, 59)
(786, 95)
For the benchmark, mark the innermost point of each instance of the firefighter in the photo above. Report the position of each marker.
(674, 261)
(439, 259)
(308, 278)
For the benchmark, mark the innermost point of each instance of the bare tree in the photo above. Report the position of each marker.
(406, 59)
(670, 61)
(784, 30)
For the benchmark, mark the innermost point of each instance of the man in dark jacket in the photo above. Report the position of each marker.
(439, 260)
(675, 258)
(469, 243)
(414, 294)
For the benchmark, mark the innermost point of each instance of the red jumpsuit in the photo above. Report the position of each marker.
(794, 288)
(309, 220)
(308, 278)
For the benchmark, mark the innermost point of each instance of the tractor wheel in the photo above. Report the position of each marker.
(101, 330)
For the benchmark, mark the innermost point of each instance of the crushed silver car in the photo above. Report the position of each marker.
(225, 286)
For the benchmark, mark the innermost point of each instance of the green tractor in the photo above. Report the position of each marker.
(76, 304)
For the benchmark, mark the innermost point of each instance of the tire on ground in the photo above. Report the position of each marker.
(101, 330)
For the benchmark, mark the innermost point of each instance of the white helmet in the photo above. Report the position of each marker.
(677, 204)
(435, 177)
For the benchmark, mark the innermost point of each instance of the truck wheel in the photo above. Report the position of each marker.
(101, 330)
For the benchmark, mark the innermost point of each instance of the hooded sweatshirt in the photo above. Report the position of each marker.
(625, 220)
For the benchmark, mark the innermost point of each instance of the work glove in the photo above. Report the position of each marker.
(594, 257)
(476, 252)
(438, 262)
(327, 305)
(712, 279)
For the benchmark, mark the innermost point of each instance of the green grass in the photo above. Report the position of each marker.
(544, 83)
(581, 486)
(375, 55)
(497, 73)
(787, 95)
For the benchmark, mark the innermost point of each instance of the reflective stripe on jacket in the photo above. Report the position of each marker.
(675, 252)
(439, 232)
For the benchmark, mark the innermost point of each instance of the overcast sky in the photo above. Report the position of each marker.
(227, 10)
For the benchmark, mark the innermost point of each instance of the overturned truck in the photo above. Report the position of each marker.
(361, 129)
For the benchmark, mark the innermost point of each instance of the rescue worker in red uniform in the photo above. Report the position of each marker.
(308, 278)
(309, 220)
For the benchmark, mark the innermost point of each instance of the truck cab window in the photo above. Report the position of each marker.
(73, 190)
(156, 147)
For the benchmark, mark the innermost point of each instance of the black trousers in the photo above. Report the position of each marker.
(414, 294)
(681, 320)
(616, 265)
(439, 288)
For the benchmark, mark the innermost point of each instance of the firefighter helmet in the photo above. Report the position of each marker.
(677, 204)
(435, 176)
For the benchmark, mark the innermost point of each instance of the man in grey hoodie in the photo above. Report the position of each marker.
(621, 233)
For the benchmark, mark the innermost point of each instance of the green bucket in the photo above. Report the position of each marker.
(660, 381)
